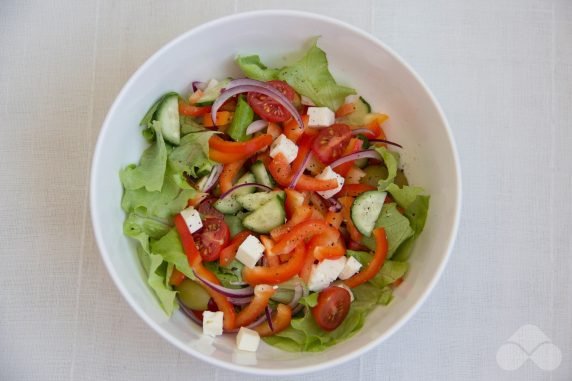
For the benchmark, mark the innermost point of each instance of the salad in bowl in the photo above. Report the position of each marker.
(272, 206)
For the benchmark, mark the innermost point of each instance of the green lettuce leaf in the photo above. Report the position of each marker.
(310, 77)
(147, 120)
(138, 222)
(157, 272)
(151, 171)
(371, 295)
(391, 161)
(397, 228)
(170, 249)
(404, 196)
(228, 275)
(416, 213)
(164, 204)
(243, 116)
(253, 68)
(191, 156)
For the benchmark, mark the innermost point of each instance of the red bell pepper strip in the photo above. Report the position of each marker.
(195, 261)
(294, 200)
(282, 173)
(228, 175)
(354, 145)
(301, 214)
(228, 253)
(268, 243)
(347, 203)
(190, 110)
(248, 314)
(176, 278)
(354, 190)
(376, 263)
(302, 232)
(280, 321)
(276, 274)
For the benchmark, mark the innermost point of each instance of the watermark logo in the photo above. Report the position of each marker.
(529, 343)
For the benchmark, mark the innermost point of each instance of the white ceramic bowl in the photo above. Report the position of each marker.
(356, 59)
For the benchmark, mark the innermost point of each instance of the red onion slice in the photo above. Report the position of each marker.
(386, 142)
(228, 292)
(370, 154)
(334, 205)
(268, 312)
(198, 85)
(257, 125)
(189, 313)
(212, 179)
(298, 292)
(240, 301)
(260, 186)
(363, 131)
(257, 87)
(298, 174)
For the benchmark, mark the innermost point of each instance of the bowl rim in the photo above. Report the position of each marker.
(302, 369)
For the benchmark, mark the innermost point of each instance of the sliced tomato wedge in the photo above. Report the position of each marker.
(269, 109)
(212, 238)
(332, 308)
(331, 142)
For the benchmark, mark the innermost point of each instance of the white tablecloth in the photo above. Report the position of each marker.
(502, 71)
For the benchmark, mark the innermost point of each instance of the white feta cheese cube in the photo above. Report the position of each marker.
(285, 146)
(192, 219)
(351, 267)
(212, 323)
(327, 174)
(325, 272)
(351, 98)
(321, 117)
(247, 339)
(306, 101)
(343, 285)
(250, 251)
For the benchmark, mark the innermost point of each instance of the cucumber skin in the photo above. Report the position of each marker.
(364, 220)
(267, 217)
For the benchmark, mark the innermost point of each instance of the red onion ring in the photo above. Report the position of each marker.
(257, 125)
(298, 292)
(260, 186)
(298, 174)
(212, 179)
(228, 292)
(268, 313)
(240, 301)
(298, 308)
(370, 154)
(386, 142)
(334, 206)
(250, 85)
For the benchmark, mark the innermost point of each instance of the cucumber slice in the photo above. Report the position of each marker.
(356, 118)
(261, 174)
(254, 201)
(168, 117)
(267, 217)
(212, 92)
(193, 295)
(234, 224)
(366, 209)
(229, 205)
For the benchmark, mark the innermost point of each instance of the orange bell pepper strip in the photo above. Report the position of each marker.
(345, 109)
(294, 200)
(268, 243)
(224, 157)
(200, 197)
(318, 203)
(195, 261)
(293, 131)
(228, 175)
(274, 130)
(176, 278)
(281, 172)
(346, 213)
(262, 294)
(228, 152)
(328, 245)
(354, 190)
(334, 219)
(280, 321)
(354, 145)
(190, 110)
(301, 214)
(376, 263)
(300, 233)
(276, 274)
(222, 118)
(228, 253)
(304, 148)
(194, 98)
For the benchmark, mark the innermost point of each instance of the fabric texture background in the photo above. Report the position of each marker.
(502, 71)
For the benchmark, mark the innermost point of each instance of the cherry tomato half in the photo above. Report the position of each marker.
(207, 210)
(267, 108)
(212, 238)
(332, 308)
(331, 142)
